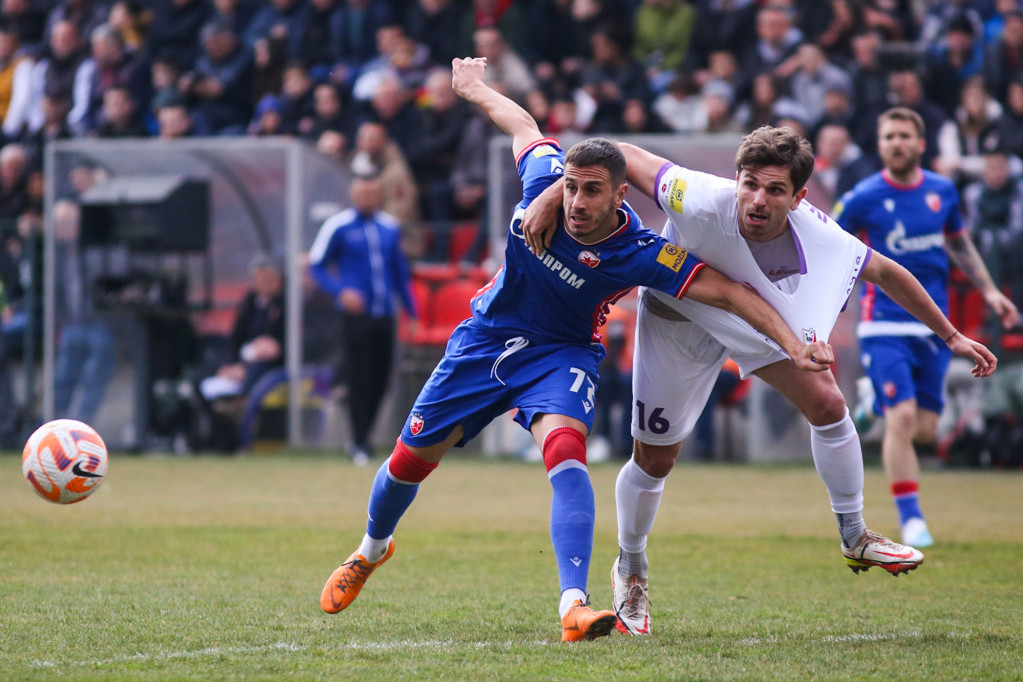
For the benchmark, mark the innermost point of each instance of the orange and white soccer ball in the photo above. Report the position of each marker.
(64, 460)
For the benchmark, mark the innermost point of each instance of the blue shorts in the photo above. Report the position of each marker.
(904, 367)
(481, 377)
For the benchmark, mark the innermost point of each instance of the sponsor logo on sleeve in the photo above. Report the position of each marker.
(672, 257)
(676, 194)
(544, 150)
(416, 424)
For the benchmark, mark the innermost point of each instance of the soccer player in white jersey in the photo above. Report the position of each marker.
(758, 230)
(912, 216)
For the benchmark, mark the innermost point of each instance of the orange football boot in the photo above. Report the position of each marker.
(581, 622)
(347, 579)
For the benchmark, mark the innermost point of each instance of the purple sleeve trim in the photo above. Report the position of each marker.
(657, 182)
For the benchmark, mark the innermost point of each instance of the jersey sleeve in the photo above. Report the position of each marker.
(539, 165)
(682, 191)
(669, 268)
(844, 212)
(954, 224)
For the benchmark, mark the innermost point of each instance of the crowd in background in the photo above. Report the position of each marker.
(368, 83)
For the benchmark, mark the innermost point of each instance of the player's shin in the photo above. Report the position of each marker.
(839, 460)
(572, 505)
(394, 487)
(637, 498)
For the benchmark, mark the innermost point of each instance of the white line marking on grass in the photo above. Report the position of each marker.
(861, 637)
(287, 646)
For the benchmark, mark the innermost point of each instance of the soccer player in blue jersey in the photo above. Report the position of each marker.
(532, 343)
(912, 216)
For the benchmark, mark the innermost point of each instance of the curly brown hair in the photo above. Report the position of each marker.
(770, 146)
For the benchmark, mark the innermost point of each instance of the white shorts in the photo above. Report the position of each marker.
(677, 361)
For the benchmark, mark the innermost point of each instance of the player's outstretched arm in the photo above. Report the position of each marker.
(642, 167)
(713, 288)
(903, 288)
(964, 254)
(467, 80)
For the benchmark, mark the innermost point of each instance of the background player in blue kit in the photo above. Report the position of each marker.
(533, 343)
(912, 216)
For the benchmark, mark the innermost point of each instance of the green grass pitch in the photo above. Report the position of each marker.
(210, 568)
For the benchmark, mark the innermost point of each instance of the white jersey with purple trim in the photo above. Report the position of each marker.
(563, 295)
(703, 218)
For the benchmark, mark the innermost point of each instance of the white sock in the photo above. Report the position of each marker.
(839, 461)
(637, 497)
(569, 597)
(373, 549)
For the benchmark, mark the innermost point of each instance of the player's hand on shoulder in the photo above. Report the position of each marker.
(541, 218)
(815, 357)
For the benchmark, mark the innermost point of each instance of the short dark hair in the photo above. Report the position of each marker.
(903, 114)
(599, 151)
(771, 146)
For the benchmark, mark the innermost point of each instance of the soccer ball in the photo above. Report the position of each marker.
(64, 460)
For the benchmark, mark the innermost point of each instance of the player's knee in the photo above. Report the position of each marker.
(900, 420)
(828, 407)
(656, 460)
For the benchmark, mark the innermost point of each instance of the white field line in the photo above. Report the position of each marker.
(434, 644)
(282, 646)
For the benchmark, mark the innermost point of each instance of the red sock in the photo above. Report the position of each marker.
(904, 488)
(407, 467)
(563, 444)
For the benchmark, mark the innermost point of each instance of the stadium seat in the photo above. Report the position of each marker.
(461, 240)
(449, 305)
(271, 393)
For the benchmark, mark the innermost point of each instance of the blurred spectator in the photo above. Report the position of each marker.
(376, 153)
(15, 66)
(894, 19)
(907, 90)
(759, 110)
(1006, 132)
(356, 29)
(941, 15)
(267, 119)
(330, 115)
(27, 19)
(469, 178)
(956, 57)
(400, 57)
(256, 346)
(506, 70)
(506, 16)
(54, 110)
(358, 259)
(960, 146)
(56, 72)
(110, 66)
(722, 66)
(9, 439)
(118, 117)
(777, 39)
(172, 33)
(392, 107)
(553, 41)
(445, 117)
(661, 38)
(238, 13)
(721, 26)
(836, 38)
(318, 39)
(173, 119)
(680, 107)
(1003, 58)
(14, 161)
(220, 88)
(438, 24)
(86, 349)
(125, 18)
(164, 74)
(611, 77)
(84, 14)
(813, 78)
(869, 78)
(296, 98)
(838, 163)
(993, 208)
(278, 27)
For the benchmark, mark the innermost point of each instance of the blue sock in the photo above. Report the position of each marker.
(907, 500)
(388, 501)
(572, 515)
